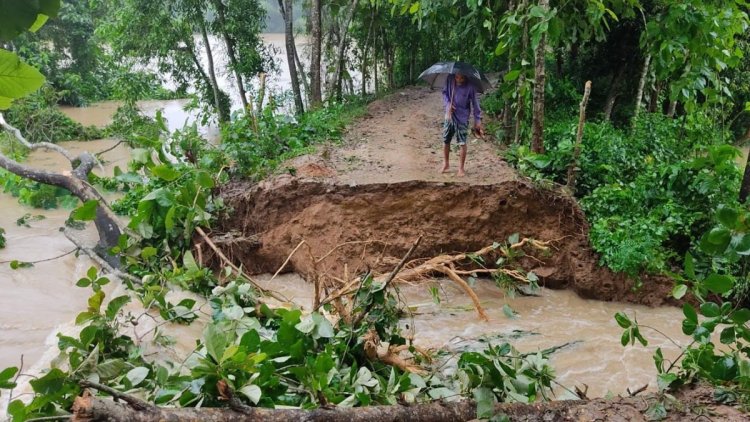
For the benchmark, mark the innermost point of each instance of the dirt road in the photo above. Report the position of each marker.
(399, 140)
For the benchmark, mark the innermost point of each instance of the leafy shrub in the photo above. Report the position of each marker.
(39, 119)
(259, 144)
(647, 193)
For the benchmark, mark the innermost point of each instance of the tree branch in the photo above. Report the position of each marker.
(37, 145)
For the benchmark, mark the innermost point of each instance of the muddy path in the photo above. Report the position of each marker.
(382, 188)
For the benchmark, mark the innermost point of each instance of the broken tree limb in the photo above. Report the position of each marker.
(90, 408)
(37, 145)
(241, 273)
(389, 279)
(465, 287)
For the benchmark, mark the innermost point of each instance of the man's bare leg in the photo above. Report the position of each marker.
(446, 156)
(461, 161)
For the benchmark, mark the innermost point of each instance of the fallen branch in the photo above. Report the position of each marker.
(90, 408)
(465, 287)
(36, 145)
(239, 271)
(389, 279)
(103, 264)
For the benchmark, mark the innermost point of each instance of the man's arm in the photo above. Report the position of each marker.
(477, 111)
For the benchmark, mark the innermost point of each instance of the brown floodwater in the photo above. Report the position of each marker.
(592, 354)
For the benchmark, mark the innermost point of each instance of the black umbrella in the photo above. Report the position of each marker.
(438, 73)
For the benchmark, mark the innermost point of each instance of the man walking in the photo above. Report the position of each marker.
(459, 98)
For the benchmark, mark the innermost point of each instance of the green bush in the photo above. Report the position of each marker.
(39, 119)
(259, 144)
(647, 192)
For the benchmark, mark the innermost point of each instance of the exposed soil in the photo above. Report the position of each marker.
(383, 186)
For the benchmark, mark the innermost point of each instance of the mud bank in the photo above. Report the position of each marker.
(269, 219)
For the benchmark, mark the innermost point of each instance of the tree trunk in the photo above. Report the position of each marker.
(520, 97)
(573, 168)
(315, 95)
(641, 86)
(614, 87)
(653, 102)
(745, 187)
(76, 182)
(341, 50)
(287, 12)
(89, 408)
(507, 118)
(301, 74)
(221, 12)
(672, 108)
(537, 124)
(212, 73)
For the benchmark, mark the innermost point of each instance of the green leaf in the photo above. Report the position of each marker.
(189, 262)
(710, 309)
(689, 266)
(86, 212)
(252, 392)
(689, 312)
(625, 339)
(17, 79)
(137, 375)
(165, 172)
(111, 368)
(92, 273)
(509, 312)
(485, 399)
(663, 381)
(204, 179)
(84, 316)
(728, 335)
(719, 284)
(623, 320)
(148, 252)
(718, 238)
(114, 306)
(741, 316)
(16, 16)
(38, 23)
(95, 301)
(743, 245)
(414, 8)
(727, 216)
(512, 75)
(5, 377)
(725, 368)
(169, 219)
(216, 341)
(679, 291)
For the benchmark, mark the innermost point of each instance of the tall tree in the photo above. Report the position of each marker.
(286, 8)
(229, 43)
(537, 124)
(341, 50)
(315, 54)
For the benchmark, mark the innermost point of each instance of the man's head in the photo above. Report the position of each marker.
(460, 79)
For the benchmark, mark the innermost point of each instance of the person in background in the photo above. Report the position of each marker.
(460, 99)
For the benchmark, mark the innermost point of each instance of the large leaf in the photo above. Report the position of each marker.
(17, 79)
(17, 16)
(87, 211)
(137, 375)
(718, 283)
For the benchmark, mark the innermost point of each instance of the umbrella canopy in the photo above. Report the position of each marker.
(437, 74)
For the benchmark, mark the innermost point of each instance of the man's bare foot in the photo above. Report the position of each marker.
(461, 173)
(444, 169)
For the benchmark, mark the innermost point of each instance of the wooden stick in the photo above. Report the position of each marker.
(466, 288)
(287, 260)
(226, 260)
(390, 278)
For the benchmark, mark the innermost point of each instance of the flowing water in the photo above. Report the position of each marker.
(589, 337)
